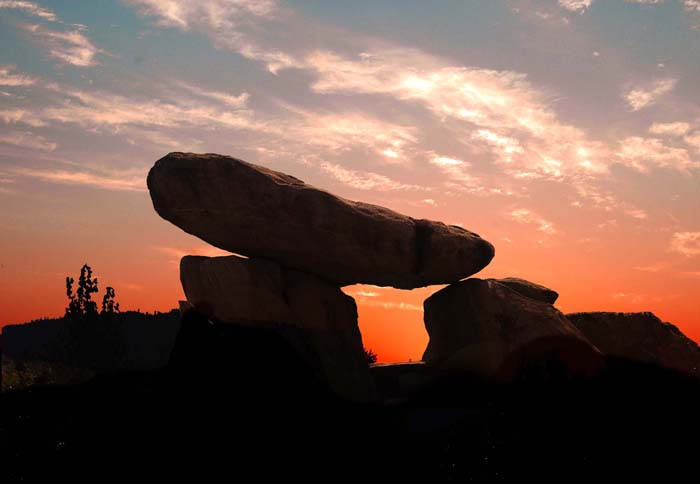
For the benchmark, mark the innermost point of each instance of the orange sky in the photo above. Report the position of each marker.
(565, 133)
(121, 246)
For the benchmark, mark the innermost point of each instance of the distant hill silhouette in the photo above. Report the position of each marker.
(144, 340)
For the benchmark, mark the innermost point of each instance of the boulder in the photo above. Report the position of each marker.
(257, 212)
(641, 337)
(486, 328)
(530, 289)
(316, 318)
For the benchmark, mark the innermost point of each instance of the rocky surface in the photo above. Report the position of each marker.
(530, 289)
(641, 337)
(317, 318)
(486, 328)
(258, 212)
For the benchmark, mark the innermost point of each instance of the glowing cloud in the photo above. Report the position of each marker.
(13, 116)
(692, 5)
(671, 129)
(237, 102)
(686, 243)
(30, 8)
(71, 47)
(525, 216)
(26, 139)
(642, 153)
(365, 180)
(224, 21)
(499, 109)
(640, 97)
(107, 182)
(578, 6)
(9, 77)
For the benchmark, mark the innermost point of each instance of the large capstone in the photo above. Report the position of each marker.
(257, 212)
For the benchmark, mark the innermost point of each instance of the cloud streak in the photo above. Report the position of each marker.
(686, 243)
(26, 139)
(526, 216)
(30, 8)
(643, 96)
(10, 77)
(578, 6)
(365, 180)
(71, 47)
(107, 182)
(498, 111)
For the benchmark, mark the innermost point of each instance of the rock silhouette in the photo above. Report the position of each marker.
(257, 212)
(301, 244)
(314, 317)
(641, 337)
(488, 329)
(530, 289)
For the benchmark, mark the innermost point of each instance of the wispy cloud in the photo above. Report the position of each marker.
(401, 306)
(642, 153)
(26, 139)
(231, 100)
(500, 111)
(365, 180)
(70, 47)
(128, 182)
(338, 131)
(642, 96)
(457, 172)
(578, 6)
(656, 267)
(216, 13)
(692, 5)
(637, 213)
(693, 140)
(14, 116)
(686, 243)
(10, 77)
(630, 297)
(97, 108)
(225, 21)
(671, 129)
(30, 8)
(526, 216)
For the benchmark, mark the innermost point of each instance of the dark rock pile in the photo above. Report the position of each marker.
(301, 244)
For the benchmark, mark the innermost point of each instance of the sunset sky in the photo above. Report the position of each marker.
(567, 133)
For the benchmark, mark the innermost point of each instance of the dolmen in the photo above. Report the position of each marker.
(294, 246)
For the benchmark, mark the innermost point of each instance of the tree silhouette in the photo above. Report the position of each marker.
(94, 339)
(108, 304)
(81, 305)
(370, 355)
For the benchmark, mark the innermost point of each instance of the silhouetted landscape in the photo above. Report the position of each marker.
(262, 371)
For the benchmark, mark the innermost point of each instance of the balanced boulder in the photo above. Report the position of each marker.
(530, 289)
(488, 329)
(316, 318)
(257, 212)
(640, 337)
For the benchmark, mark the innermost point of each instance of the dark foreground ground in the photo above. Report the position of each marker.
(631, 423)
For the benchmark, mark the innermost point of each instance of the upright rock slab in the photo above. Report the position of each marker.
(258, 212)
(318, 319)
(641, 337)
(488, 329)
